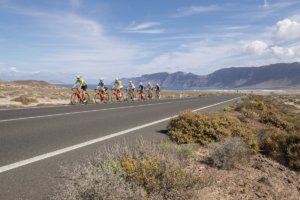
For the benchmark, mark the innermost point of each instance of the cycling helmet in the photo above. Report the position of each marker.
(157, 84)
(149, 83)
(141, 83)
(78, 76)
(117, 79)
(130, 81)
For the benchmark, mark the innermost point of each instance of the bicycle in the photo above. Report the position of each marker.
(149, 94)
(76, 97)
(101, 96)
(130, 95)
(142, 96)
(116, 95)
(157, 94)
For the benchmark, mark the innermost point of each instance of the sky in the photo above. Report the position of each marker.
(58, 39)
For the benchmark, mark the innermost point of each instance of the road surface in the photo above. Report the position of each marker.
(35, 142)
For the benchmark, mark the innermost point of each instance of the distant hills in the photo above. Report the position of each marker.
(31, 82)
(275, 76)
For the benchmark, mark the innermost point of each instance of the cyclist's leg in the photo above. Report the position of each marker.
(83, 92)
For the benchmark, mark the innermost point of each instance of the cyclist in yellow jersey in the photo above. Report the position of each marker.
(119, 85)
(83, 86)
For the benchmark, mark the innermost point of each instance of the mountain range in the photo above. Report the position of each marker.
(274, 76)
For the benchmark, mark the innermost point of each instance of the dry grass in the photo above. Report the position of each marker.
(25, 100)
(123, 173)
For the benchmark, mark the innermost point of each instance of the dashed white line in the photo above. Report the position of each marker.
(90, 142)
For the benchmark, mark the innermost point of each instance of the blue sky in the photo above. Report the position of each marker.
(57, 39)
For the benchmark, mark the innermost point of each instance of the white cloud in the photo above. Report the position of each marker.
(192, 10)
(288, 29)
(256, 47)
(283, 52)
(14, 70)
(146, 27)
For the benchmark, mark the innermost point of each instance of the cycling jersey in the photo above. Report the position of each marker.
(100, 85)
(157, 88)
(131, 86)
(149, 86)
(81, 82)
(119, 84)
(141, 87)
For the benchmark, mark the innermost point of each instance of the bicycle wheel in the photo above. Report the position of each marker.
(97, 98)
(113, 98)
(106, 98)
(121, 97)
(150, 95)
(129, 96)
(74, 99)
(142, 97)
(87, 98)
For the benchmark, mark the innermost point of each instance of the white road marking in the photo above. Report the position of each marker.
(89, 111)
(90, 142)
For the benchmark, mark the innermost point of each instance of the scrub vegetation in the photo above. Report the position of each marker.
(249, 150)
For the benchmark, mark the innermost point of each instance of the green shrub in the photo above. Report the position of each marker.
(206, 128)
(283, 147)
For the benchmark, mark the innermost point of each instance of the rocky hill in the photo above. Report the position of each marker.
(31, 83)
(275, 76)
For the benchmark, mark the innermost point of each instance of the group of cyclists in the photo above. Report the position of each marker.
(117, 87)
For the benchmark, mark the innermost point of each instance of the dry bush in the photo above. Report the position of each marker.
(183, 151)
(264, 109)
(25, 100)
(92, 182)
(162, 178)
(206, 128)
(283, 147)
(228, 154)
(276, 120)
(137, 173)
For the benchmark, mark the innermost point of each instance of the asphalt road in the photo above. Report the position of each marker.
(35, 142)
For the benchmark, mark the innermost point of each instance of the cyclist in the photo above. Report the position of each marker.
(149, 86)
(141, 89)
(149, 90)
(101, 87)
(157, 90)
(130, 90)
(119, 85)
(131, 86)
(82, 87)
